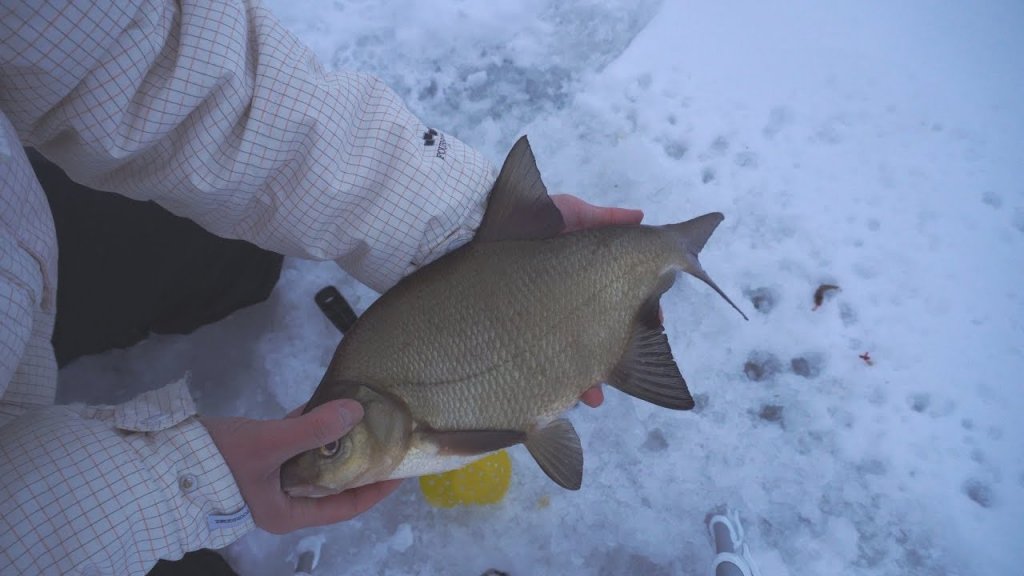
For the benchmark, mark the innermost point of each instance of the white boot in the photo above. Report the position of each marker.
(732, 557)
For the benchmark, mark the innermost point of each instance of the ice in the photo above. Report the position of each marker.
(403, 538)
(875, 146)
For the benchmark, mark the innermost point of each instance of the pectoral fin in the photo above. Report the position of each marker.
(557, 450)
(647, 370)
(471, 442)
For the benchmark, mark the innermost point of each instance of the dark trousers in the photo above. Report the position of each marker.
(128, 268)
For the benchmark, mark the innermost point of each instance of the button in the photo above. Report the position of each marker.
(188, 483)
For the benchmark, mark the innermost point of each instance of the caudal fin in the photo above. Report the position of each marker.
(692, 236)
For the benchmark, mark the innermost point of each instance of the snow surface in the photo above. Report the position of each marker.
(872, 145)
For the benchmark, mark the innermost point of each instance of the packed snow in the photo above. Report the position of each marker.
(872, 145)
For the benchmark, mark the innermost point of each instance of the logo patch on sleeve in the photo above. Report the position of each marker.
(225, 521)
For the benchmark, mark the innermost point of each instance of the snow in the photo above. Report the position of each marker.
(870, 145)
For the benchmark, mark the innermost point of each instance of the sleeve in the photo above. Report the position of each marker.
(112, 489)
(104, 490)
(28, 282)
(215, 111)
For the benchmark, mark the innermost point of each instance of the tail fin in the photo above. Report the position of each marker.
(692, 235)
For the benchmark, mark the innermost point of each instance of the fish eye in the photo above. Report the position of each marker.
(330, 449)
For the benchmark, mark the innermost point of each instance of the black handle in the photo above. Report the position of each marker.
(336, 308)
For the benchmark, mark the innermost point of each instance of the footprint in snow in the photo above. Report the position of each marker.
(675, 149)
(980, 492)
(778, 119)
(745, 159)
(763, 298)
(761, 366)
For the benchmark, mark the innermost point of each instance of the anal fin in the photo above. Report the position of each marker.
(647, 369)
(558, 452)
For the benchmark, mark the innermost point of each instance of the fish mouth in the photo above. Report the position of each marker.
(309, 491)
(296, 482)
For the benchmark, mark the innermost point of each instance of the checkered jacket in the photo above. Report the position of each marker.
(217, 113)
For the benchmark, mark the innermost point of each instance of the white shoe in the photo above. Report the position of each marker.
(732, 556)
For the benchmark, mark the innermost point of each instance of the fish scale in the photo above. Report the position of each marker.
(501, 367)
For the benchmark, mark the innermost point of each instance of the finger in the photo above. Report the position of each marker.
(307, 512)
(579, 214)
(296, 412)
(608, 216)
(324, 424)
(593, 397)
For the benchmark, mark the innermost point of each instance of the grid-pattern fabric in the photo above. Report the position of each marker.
(216, 112)
(28, 281)
(220, 115)
(108, 490)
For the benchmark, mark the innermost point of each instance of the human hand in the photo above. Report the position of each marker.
(255, 450)
(579, 214)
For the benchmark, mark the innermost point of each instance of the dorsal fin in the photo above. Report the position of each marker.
(519, 207)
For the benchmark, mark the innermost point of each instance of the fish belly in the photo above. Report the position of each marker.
(420, 461)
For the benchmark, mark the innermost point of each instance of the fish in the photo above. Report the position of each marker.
(488, 346)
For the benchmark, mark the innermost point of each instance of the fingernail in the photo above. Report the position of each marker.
(351, 412)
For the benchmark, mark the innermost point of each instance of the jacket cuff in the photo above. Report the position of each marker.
(112, 489)
(187, 466)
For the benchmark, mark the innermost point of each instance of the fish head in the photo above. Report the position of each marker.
(368, 453)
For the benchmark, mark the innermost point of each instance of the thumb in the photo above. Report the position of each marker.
(323, 425)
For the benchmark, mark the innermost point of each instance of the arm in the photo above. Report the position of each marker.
(220, 115)
(224, 118)
(28, 284)
(113, 487)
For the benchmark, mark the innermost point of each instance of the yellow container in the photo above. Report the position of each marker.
(482, 482)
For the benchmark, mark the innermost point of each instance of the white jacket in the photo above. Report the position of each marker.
(216, 112)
